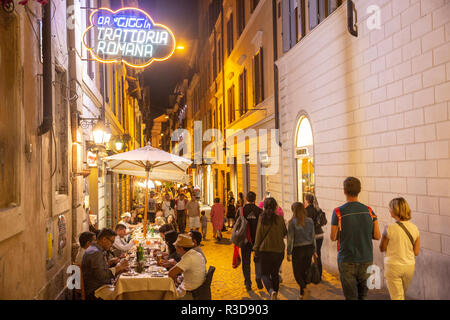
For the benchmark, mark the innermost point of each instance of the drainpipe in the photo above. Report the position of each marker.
(275, 69)
(223, 74)
(276, 95)
(47, 71)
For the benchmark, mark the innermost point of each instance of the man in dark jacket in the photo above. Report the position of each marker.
(251, 212)
(96, 271)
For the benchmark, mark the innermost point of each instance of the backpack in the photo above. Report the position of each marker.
(321, 219)
(339, 216)
(239, 235)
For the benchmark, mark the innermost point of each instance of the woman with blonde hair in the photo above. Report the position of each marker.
(301, 244)
(401, 243)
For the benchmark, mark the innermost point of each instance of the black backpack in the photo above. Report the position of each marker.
(321, 219)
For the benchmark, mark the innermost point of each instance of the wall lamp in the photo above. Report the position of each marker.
(102, 134)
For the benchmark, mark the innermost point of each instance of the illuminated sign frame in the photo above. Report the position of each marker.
(120, 60)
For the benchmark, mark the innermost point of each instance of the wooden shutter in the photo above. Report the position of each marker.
(286, 14)
(313, 13)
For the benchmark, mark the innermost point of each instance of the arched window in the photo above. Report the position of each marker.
(304, 133)
(304, 154)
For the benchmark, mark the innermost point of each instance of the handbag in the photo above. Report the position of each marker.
(236, 257)
(313, 275)
(240, 228)
(256, 252)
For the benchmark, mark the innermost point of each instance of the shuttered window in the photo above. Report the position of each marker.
(258, 77)
(10, 145)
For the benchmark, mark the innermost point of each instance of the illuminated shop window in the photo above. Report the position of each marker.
(304, 154)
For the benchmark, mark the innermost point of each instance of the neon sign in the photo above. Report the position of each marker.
(128, 35)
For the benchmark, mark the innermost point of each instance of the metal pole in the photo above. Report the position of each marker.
(147, 169)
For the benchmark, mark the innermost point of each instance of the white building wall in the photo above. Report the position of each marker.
(379, 109)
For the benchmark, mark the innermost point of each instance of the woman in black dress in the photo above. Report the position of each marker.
(231, 209)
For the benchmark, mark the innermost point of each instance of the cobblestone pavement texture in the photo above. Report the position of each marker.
(228, 283)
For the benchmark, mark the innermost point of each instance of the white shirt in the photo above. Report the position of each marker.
(194, 270)
(122, 245)
(400, 250)
(167, 210)
(181, 204)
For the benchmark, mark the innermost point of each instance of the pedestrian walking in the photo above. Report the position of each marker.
(251, 213)
(231, 210)
(152, 207)
(401, 243)
(193, 210)
(180, 209)
(240, 203)
(269, 246)
(217, 216)
(319, 218)
(204, 224)
(301, 244)
(354, 225)
(279, 210)
(166, 206)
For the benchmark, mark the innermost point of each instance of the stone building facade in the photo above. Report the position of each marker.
(36, 188)
(44, 178)
(375, 106)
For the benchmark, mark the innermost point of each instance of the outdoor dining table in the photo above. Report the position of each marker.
(143, 286)
(152, 284)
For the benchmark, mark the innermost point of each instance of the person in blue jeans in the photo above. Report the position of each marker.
(251, 213)
(354, 225)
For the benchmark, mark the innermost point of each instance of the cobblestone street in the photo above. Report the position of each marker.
(228, 283)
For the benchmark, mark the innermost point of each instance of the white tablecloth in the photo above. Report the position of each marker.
(139, 287)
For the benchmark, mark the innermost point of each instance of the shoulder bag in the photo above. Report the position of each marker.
(407, 232)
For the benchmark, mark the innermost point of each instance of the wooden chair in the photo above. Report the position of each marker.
(204, 291)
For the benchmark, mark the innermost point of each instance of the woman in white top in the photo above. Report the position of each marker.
(166, 206)
(401, 242)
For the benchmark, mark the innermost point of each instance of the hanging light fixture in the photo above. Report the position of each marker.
(108, 134)
(119, 144)
(98, 133)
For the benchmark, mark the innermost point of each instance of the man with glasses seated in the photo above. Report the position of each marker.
(97, 270)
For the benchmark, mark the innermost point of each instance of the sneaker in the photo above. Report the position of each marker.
(259, 283)
(274, 295)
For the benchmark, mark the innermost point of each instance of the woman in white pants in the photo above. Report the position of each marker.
(401, 242)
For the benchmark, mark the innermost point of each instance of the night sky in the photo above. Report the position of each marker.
(181, 17)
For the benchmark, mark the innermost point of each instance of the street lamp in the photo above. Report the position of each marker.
(119, 145)
(108, 134)
(101, 134)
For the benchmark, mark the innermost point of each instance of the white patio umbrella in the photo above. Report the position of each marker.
(149, 161)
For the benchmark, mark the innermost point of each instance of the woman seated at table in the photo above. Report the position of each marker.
(172, 222)
(171, 257)
(192, 267)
